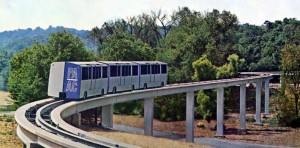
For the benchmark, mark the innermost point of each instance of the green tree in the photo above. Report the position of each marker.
(4, 68)
(207, 104)
(291, 75)
(30, 68)
(204, 69)
(121, 46)
(124, 47)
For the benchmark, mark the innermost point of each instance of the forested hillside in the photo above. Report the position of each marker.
(17, 40)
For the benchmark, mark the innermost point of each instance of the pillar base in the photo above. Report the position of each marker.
(219, 136)
(259, 124)
(242, 131)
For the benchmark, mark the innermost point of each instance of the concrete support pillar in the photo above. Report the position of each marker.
(242, 108)
(190, 117)
(148, 116)
(220, 112)
(258, 103)
(77, 119)
(107, 116)
(267, 97)
(96, 115)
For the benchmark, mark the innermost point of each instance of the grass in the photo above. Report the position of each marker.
(141, 140)
(271, 133)
(8, 137)
(11, 107)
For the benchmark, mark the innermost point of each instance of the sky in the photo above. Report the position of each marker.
(86, 14)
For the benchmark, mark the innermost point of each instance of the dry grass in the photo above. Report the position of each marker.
(8, 137)
(267, 134)
(141, 140)
(5, 99)
(175, 127)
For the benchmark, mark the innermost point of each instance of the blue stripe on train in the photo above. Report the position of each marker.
(72, 81)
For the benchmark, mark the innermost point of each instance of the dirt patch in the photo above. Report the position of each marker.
(141, 140)
(5, 99)
(267, 134)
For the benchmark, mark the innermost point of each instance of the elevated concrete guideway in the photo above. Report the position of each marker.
(71, 108)
(65, 110)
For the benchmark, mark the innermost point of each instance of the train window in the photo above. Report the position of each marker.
(124, 70)
(158, 69)
(95, 73)
(104, 72)
(129, 70)
(119, 70)
(163, 69)
(85, 73)
(113, 71)
(90, 73)
(144, 69)
(134, 70)
(148, 69)
(153, 69)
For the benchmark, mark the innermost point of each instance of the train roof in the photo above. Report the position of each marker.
(116, 62)
(131, 62)
(87, 63)
(148, 62)
(105, 63)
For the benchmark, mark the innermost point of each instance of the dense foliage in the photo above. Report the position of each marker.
(28, 80)
(290, 90)
(4, 68)
(205, 70)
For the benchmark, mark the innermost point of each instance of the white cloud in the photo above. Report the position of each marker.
(87, 14)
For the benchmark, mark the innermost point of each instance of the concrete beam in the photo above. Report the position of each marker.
(107, 116)
(220, 112)
(242, 129)
(148, 116)
(33, 145)
(190, 117)
(258, 103)
(267, 97)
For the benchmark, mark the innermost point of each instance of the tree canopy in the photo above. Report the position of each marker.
(28, 80)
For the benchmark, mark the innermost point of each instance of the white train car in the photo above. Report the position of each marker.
(152, 74)
(76, 80)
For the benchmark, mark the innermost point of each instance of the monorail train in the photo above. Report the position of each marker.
(79, 80)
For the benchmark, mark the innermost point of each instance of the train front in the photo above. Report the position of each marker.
(64, 80)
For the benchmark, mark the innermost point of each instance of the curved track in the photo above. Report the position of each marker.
(41, 122)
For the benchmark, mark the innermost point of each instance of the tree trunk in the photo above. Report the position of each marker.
(296, 104)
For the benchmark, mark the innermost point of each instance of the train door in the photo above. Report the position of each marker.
(127, 73)
(92, 70)
(97, 77)
(152, 74)
(145, 78)
(119, 69)
(156, 74)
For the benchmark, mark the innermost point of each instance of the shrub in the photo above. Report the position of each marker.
(9, 119)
